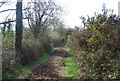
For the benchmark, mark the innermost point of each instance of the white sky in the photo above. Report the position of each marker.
(75, 9)
(78, 8)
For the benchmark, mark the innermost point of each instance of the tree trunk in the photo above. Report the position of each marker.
(19, 27)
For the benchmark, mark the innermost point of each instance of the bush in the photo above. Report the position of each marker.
(9, 59)
(32, 48)
(35, 47)
(96, 47)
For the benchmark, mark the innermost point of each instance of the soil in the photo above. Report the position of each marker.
(52, 69)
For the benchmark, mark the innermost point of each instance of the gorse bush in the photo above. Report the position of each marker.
(95, 46)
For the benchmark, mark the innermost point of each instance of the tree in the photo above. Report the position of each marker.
(40, 14)
(3, 2)
(19, 27)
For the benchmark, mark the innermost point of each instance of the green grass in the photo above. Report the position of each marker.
(24, 71)
(71, 68)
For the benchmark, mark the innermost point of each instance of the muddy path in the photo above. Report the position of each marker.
(52, 69)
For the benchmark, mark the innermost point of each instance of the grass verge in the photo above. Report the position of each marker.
(24, 71)
(71, 68)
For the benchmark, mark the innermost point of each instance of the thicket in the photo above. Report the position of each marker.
(37, 38)
(32, 48)
(96, 46)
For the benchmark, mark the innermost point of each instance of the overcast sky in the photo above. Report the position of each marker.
(75, 9)
(85, 7)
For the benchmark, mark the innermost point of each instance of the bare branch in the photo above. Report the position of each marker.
(6, 2)
(3, 2)
(9, 21)
(39, 15)
(8, 10)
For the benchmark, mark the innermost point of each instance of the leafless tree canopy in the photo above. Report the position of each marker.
(6, 2)
(40, 13)
(3, 2)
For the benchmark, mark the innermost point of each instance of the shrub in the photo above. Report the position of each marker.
(95, 47)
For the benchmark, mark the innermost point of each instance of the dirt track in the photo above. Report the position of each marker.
(51, 69)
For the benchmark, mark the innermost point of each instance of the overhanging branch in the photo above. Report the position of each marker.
(9, 21)
(7, 10)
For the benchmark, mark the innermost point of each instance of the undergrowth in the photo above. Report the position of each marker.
(24, 71)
